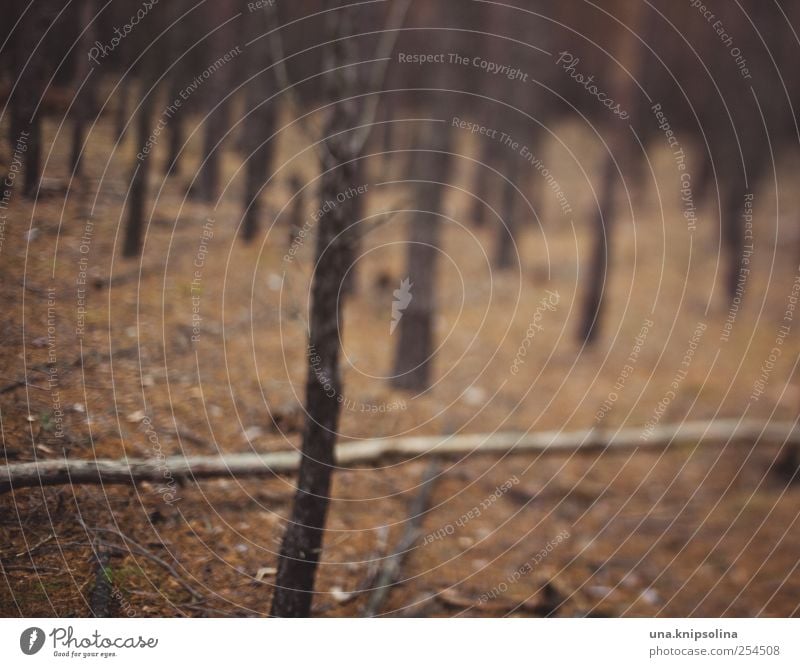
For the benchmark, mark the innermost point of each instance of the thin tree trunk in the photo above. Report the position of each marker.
(121, 110)
(415, 344)
(302, 541)
(207, 180)
(350, 285)
(733, 235)
(26, 118)
(507, 228)
(482, 180)
(259, 125)
(597, 274)
(85, 102)
(623, 78)
(141, 168)
(206, 188)
(175, 134)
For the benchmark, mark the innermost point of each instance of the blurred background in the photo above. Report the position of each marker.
(225, 224)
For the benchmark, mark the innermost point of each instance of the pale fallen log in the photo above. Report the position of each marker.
(129, 471)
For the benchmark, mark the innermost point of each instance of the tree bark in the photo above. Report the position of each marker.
(507, 227)
(85, 102)
(26, 112)
(597, 274)
(259, 126)
(413, 360)
(302, 541)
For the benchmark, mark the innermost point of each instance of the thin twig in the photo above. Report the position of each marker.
(130, 542)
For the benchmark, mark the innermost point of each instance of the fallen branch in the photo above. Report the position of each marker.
(130, 471)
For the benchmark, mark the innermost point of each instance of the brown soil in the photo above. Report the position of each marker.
(697, 531)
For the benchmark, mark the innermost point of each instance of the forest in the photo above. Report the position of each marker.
(399, 308)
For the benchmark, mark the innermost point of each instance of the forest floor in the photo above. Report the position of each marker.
(701, 530)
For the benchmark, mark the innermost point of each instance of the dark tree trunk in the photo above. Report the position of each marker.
(121, 109)
(139, 176)
(175, 135)
(206, 188)
(620, 149)
(482, 179)
(183, 57)
(597, 274)
(415, 344)
(257, 170)
(302, 541)
(207, 180)
(297, 213)
(350, 285)
(259, 125)
(733, 236)
(85, 102)
(507, 228)
(26, 118)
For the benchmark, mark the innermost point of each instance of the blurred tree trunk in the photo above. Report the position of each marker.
(482, 180)
(507, 227)
(175, 133)
(597, 274)
(259, 125)
(182, 36)
(207, 180)
(413, 359)
(85, 103)
(121, 110)
(30, 79)
(140, 171)
(623, 89)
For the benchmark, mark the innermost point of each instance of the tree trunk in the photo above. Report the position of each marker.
(121, 110)
(303, 538)
(623, 88)
(598, 264)
(507, 227)
(175, 135)
(482, 180)
(30, 86)
(206, 187)
(350, 284)
(85, 102)
(414, 352)
(139, 176)
(302, 541)
(733, 235)
(259, 126)
(207, 180)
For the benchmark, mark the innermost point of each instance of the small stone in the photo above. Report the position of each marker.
(253, 432)
(136, 417)
(650, 596)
